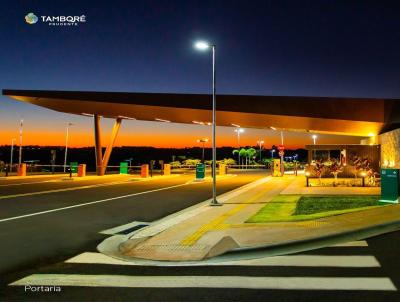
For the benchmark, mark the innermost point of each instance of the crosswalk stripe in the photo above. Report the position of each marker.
(287, 283)
(120, 228)
(294, 260)
(352, 244)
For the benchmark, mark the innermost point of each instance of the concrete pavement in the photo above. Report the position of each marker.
(207, 232)
(361, 271)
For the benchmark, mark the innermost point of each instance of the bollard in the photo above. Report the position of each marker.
(144, 171)
(152, 162)
(222, 169)
(167, 169)
(82, 170)
(21, 171)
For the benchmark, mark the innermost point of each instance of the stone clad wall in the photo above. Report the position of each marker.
(390, 149)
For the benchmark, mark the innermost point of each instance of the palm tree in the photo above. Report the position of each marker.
(242, 154)
(236, 151)
(250, 153)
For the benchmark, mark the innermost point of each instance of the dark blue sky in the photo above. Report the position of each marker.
(311, 48)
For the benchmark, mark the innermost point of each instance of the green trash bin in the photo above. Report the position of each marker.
(123, 168)
(200, 171)
(390, 185)
(74, 167)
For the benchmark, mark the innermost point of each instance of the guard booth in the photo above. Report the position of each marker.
(390, 185)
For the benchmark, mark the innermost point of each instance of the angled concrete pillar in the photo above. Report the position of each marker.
(102, 161)
(97, 143)
(110, 146)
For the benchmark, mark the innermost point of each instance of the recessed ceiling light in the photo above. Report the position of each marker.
(162, 120)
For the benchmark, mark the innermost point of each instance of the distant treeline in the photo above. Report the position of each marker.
(139, 155)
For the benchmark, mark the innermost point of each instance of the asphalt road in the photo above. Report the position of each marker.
(64, 219)
(384, 251)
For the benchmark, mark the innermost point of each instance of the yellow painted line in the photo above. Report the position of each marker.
(215, 223)
(307, 224)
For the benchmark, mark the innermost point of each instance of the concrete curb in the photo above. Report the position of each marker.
(324, 241)
(109, 247)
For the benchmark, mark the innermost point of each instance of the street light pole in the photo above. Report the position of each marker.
(203, 141)
(66, 145)
(260, 143)
(12, 153)
(239, 130)
(282, 162)
(21, 127)
(214, 200)
(203, 46)
(314, 137)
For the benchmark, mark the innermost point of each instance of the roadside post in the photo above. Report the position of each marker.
(390, 185)
(152, 167)
(307, 178)
(200, 171)
(53, 154)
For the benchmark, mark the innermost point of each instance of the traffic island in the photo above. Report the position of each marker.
(204, 232)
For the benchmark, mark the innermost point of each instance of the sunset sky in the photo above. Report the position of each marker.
(297, 48)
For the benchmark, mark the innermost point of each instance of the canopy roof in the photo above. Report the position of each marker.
(350, 116)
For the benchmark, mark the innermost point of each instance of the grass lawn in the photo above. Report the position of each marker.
(297, 207)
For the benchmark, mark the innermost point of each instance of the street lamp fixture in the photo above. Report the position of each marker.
(314, 137)
(202, 45)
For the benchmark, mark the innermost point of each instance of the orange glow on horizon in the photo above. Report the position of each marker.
(174, 140)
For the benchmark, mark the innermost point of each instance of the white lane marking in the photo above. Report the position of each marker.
(63, 189)
(27, 183)
(123, 227)
(290, 283)
(351, 244)
(90, 203)
(296, 260)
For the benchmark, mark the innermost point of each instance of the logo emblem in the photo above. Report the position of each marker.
(31, 18)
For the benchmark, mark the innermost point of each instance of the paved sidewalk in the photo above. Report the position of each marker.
(205, 232)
